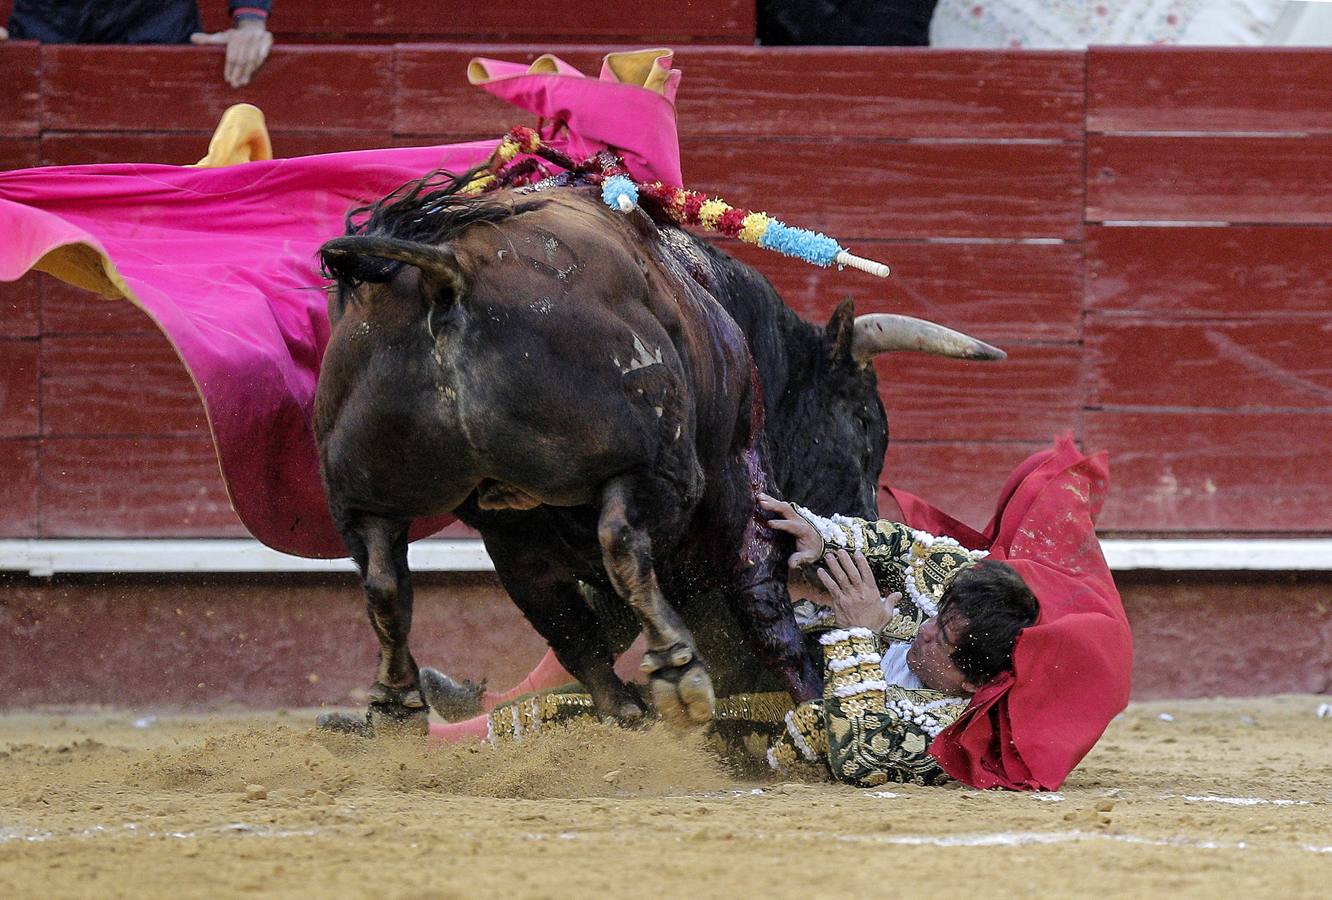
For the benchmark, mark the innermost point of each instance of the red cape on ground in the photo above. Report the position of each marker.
(1071, 670)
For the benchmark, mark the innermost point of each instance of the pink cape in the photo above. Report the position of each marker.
(224, 262)
(1028, 729)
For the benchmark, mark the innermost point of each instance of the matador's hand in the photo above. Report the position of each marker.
(808, 542)
(855, 595)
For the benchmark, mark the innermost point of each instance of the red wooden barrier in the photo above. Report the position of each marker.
(730, 21)
(19, 503)
(1156, 89)
(1194, 354)
(683, 21)
(18, 388)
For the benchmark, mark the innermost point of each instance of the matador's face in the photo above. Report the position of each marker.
(931, 656)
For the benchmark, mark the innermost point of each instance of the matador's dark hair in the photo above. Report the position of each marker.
(996, 605)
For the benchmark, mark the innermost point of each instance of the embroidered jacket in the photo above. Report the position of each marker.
(866, 730)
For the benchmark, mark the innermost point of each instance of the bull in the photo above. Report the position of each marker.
(580, 387)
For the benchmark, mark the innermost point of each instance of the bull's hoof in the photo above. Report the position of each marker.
(451, 699)
(345, 723)
(679, 685)
(394, 721)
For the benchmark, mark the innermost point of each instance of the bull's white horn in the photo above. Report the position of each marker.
(885, 333)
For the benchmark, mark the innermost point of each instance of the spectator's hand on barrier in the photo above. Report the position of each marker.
(808, 542)
(247, 43)
(855, 595)
(4, 34)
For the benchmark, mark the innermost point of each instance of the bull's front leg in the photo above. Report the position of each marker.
(679, 685)
(379, 548)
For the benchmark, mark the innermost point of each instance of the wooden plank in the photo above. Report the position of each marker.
(1211, 89)
(433, 98)
(68, 148)
(1197, 472)
(997, 292)
(1243, 271)
(1210, 364)
(731, 21)
(20, 101)
(19, 516)
(867, 93)
(787, 92)
(117, 385)
(19, 410)
(70, 310)
(20, 307)
(945, 189)
(1033, 395)
(160, 88)
(134, 487)
(1281, 180)
(961, 479)
(18, 153)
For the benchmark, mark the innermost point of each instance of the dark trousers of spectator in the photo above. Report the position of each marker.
(892, 23)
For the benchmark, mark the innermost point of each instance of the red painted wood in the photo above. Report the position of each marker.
(66, 148)
(149, 642)
(134, 487)
(19, 508)
(20, 101)
(1282, 180)
(79, 148)
(996, 292)
(771, 91)
(1220, 634)
(787, 92)
(432, 96)
(961, 479)
(20, 307)
(156, 88)
(18, 153)
(913, 190)
(117, 384)
(70, 310)
(881, 92)
(1252, 272)
(1213, 364)
(18, 388)
(1209, 89)
(1033, 395)
(491, 20)
(1198, 472)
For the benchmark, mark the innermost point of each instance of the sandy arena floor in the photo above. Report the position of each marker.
(1220, 798)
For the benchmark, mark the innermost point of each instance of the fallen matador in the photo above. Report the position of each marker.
(915, 700)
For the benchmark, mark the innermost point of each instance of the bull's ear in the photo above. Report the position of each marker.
(377, 259)
(840, 333)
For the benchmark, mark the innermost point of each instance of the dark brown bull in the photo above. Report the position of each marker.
(561, 377)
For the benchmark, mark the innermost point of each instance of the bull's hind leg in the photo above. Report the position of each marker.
(379, 548)
(547, 593)
(680, 687)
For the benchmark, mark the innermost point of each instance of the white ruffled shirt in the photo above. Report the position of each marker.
(893, 662)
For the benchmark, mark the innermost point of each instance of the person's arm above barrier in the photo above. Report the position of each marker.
(248, 40)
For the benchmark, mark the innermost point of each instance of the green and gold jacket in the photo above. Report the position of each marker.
(866, 730)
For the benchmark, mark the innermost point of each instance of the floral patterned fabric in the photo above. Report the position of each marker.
(1058, 24)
